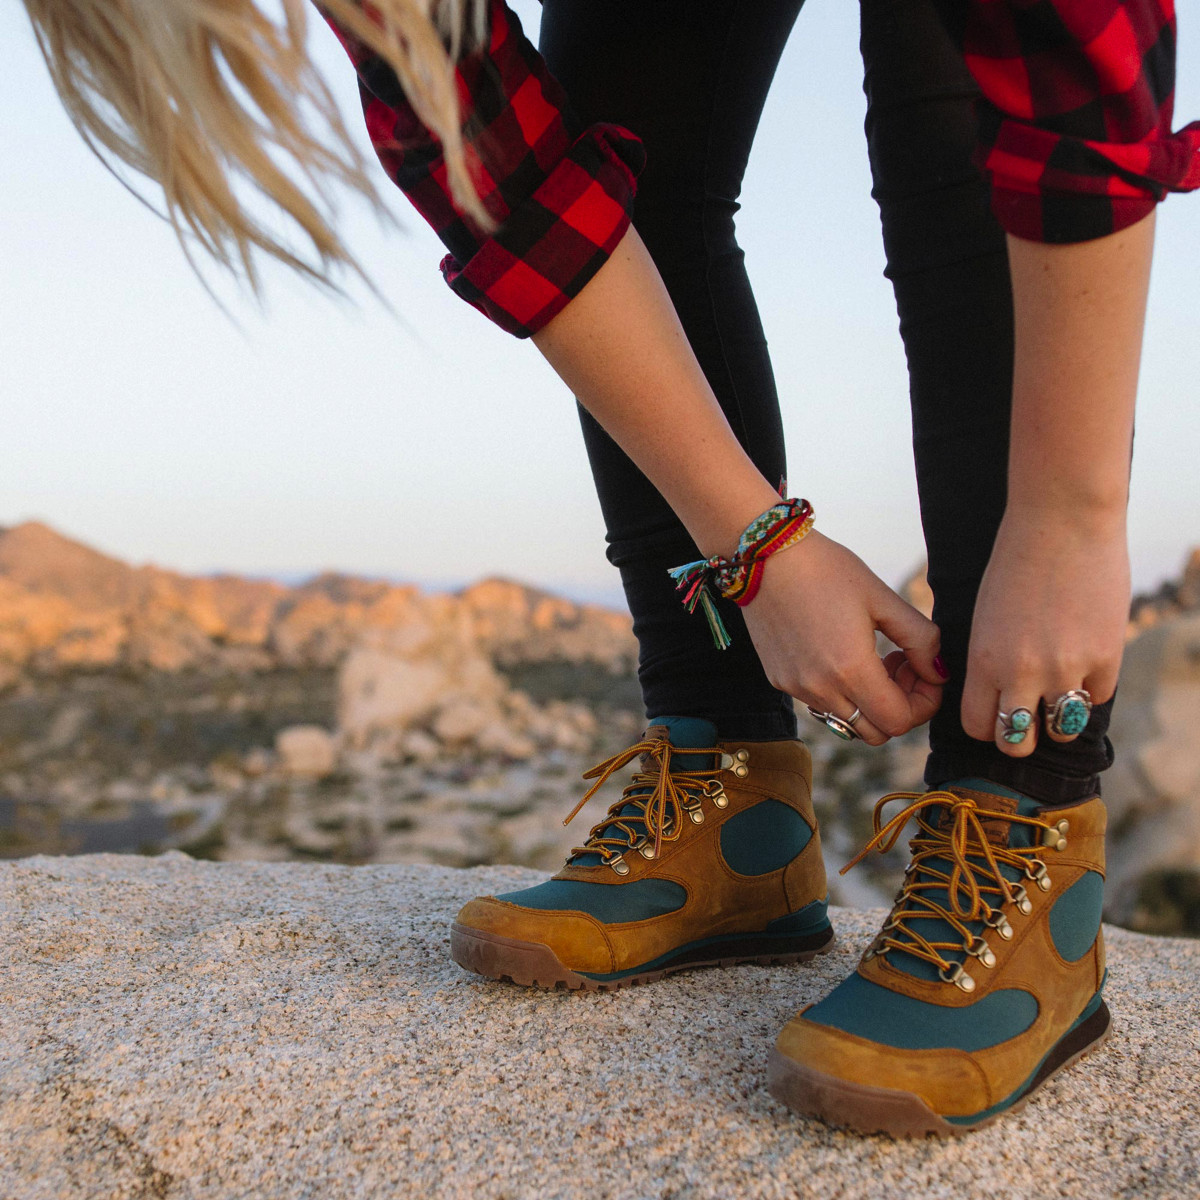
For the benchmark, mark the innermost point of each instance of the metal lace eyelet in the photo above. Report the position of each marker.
(1056, 838)
(697, 815)
(1036, 870)
(716, 793)
(875, 949)
(647, 851)
(619, 865)
(981, 950)
(1021, 899)
(956, 975)
(736, 762)
(999, 922)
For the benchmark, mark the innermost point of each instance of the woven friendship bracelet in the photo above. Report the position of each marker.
(739, 578)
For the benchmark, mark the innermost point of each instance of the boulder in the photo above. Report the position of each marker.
(410, 676)
(1153, 789)
(306, 751)
(463, 720)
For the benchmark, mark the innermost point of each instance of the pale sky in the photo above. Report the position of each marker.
(319, 434)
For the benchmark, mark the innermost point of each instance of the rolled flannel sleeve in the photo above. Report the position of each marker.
(1075, 116)
(560, 194)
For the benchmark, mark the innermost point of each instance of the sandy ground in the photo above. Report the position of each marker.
(172, 1028)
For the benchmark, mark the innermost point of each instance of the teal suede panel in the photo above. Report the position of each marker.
(809, 919)
(889, 1018)
(610, 904)
(934, 928)
(763, 838)
(1075, 917)
(684, 732)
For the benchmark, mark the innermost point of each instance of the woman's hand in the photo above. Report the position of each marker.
(1050, 617)
(813, 622)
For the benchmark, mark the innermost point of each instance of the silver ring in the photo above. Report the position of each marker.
(1015, 725)
(854, 716)
(1069, 714)
(836, 725)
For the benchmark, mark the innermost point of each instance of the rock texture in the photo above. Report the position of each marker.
(198, 1031)
(64, 606)
(1153, 789)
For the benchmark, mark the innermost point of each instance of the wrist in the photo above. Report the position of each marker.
(722, 516)
(1069, 513)
(738, 577)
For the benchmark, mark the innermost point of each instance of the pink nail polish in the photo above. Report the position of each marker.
(940, 667)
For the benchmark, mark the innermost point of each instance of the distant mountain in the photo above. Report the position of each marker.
(64, 605)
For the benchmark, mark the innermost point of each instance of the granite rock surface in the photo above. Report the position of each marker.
(183, 1029)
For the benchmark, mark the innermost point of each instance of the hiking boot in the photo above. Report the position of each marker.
(711, 857)
(984, 981)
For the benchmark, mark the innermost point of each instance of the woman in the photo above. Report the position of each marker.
(987, 976)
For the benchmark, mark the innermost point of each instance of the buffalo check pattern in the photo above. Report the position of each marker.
(560, 194)
(1075, 119)
(1075, 113)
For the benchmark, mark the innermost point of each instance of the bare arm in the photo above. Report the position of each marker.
(1054, 602)
(619, 346)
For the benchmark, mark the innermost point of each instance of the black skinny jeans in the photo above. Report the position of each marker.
(690, 77)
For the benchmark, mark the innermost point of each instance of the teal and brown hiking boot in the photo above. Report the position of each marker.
(711, 857)
(984, 981)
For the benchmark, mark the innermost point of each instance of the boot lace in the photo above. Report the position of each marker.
(953, 861)
(652, 804)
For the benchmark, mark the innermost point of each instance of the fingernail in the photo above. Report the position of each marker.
(940, 667)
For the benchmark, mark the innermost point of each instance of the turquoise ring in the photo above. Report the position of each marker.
(1015, 726)
(1069, 714)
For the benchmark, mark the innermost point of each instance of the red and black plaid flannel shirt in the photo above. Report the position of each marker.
(1075, 136)
(1075, 121)
(561, 195)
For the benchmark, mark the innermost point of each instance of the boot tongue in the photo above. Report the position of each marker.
(682, 733)
(995, 798)
(992, 798)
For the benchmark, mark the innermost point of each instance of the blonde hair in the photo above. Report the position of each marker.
(205, 96)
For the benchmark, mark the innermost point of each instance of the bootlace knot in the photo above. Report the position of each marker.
(955, 875)
(652, 803)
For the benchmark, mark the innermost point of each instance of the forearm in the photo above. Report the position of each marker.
(1079, 311)
(1053, 604)
(620, 348)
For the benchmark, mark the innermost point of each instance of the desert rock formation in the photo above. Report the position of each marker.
(64, 605)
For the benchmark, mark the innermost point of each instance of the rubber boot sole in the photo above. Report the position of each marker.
(531, 964)
(867, 1109)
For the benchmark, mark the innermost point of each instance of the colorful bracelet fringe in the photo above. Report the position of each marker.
(738, 578)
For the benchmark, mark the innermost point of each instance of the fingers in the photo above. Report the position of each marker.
(924, 698)
(869, 732)
(846, 714)
(916, 635)
(1016, 728)
(1069, 712)
(1017, 717)
(890, 696)
(894, 699)
(1010, 718)
(979, 704)
(1049, 724)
